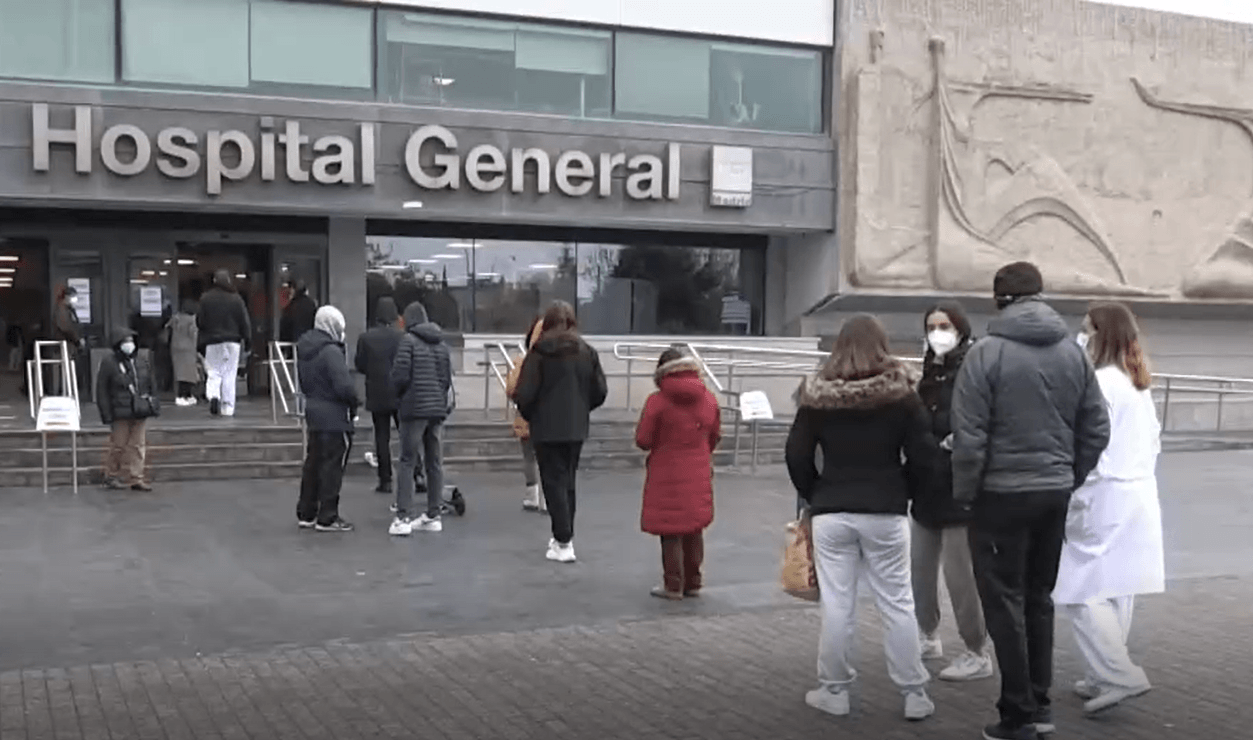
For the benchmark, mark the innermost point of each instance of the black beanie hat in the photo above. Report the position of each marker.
(1017, 280)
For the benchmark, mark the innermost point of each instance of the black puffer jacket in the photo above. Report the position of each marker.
(376, 352)
(330, 395)
(422, 372)
(223, 317)
(561, 383)
(862, 427)
(1028, 414)
(939, 375)
(122, 379)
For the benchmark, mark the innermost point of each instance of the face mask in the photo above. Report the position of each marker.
(1082, 339)
(128, 348)
(73, 300)
(942, 341)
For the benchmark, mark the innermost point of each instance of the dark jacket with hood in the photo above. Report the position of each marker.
(376, 352)
(297, 317)
(67, 327)
(560, 384)
(222, 316)
(421, 375)
(1027, 414)
(939, 375)
(862, 427)
(330, 395)
(679, 428)
(121, 381)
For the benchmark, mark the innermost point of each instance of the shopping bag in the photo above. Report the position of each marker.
(799, 577)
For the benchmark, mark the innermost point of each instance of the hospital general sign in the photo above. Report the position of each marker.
(434, 159)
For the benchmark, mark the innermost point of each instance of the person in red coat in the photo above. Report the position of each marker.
(679, 428)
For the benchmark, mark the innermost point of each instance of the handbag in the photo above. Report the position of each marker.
(799, 577)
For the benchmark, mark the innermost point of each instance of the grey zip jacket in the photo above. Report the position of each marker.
(1028, 414)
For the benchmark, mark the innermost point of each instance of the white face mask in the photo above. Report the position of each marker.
(128, 348)
(73, 300)
(943, 341)
(1082, 339)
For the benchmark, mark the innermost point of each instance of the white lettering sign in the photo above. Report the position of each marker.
(731, 177)
(57, 414)
(755, 406)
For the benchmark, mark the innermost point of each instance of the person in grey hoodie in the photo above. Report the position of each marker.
(1029, 423)
(422, 380)
(330, 412)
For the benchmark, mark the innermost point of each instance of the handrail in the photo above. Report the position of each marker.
(35, 376)
(492, 368)
(284, 380)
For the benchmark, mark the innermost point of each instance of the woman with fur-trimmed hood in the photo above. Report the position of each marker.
(679, 429)
(878, 453)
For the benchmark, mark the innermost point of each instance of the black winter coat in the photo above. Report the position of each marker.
(939, 510)
(422, 374)
(297, 318)
(561, 383)
(121, 380)
(330, 395)
(223, 317)
(862, 427)
(376, 353)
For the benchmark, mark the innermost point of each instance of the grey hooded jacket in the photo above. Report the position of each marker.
(1027, 412)
(421, 374)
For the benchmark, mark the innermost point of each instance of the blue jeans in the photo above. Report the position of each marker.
(420, 440)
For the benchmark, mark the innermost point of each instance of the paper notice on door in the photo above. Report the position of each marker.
(82, 302)
(150, 301)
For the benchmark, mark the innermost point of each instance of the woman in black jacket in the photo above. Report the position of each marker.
(560, 384)
(127, 399)
(877, 454)
(939, 527)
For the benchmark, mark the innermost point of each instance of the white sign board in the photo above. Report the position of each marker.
(731, 178)
(150, 301)
(82, 290)
(755, 406)
(58, 414)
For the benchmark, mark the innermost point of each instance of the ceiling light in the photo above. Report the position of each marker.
(411, 204)
(240, 276)
(8, 258)
(8, 269)
(447, 256)
(186, 262)
(462, 245)
(137, 281)
(423, 262)
(543, 267)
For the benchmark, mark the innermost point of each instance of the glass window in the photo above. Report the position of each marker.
(57, 40)
(313, 45)
(477, 63)
(737, 85)
(435, 271)
(516, 280)
(202, 43)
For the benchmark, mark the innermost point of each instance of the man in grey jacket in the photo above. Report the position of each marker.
(1029, 424)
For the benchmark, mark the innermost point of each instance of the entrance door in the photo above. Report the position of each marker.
(26, 313)
(297, 267)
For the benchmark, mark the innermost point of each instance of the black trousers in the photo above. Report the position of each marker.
(186, 390)
(558, 468)
(383, 421)
(323, 476)
(1016, 544)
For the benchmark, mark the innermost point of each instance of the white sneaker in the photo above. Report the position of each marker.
(400, 527)
(559, 552)
(1086, 690)
(425, 523)
(1110, 698)
(371, 459)
(180, 402)
(932, 648)
(918, 706)
(831, 702)
(968, 667)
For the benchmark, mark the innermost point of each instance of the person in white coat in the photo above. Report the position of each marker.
(1113, 550)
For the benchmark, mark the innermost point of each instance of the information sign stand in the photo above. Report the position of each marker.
(59, 414)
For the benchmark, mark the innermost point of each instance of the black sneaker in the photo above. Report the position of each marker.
(141, 487)
(1043, 721)
(339, 525)
(384, 487)
(1001, 731)
(215, 407)
(113, 484)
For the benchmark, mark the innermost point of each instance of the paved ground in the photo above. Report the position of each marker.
(200, 612)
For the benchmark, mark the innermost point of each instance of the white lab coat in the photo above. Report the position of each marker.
(1114, 525)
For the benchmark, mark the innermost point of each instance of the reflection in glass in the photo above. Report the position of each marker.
(435, 271)
(516, 280)
(57, 40)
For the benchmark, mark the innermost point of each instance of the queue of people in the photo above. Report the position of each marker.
(1026, 461)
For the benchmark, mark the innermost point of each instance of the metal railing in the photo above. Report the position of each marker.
(1198, 389)
(285, 382)
(68, 376)
(498, 362)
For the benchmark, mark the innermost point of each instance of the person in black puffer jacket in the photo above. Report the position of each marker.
(422, 380)
(939, 533)
(126, 399)
(376, 352)
(330, 411)
(225, 331)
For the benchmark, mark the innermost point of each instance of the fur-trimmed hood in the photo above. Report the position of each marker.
(680, 381)
(891, 385)
(681, 365)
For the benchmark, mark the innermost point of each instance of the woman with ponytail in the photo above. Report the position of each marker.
(1113, 548)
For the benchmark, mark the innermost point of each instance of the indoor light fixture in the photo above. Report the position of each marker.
(447, 256)
(423, 262)
(8, 258)
(240, 276)
(462, 245)
(543, 267)
(411, 204)
(186, 262)
(8, 269)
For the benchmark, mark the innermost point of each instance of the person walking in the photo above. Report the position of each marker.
(862, 412)
(532, 501)
(298, 314)
(67, 328)
(1029, 424)
(938, 533)
(1113, 550)
(330, 411)
(376, 351)
(561, 383)
(679, 428)
(126, 399)
(225, 330)
(421, 377)
(184, 338)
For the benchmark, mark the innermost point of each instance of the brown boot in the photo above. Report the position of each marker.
(661, 593)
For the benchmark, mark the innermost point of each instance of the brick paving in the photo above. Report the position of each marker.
(732, 677)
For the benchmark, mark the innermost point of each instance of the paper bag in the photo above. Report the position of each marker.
(799, 577)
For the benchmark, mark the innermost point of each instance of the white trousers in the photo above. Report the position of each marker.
(222, 367)
(874, 548)
(1101, 629)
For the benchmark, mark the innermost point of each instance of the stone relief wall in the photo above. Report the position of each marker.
(1042, 139)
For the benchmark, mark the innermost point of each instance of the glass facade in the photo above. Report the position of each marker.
(341, 51)
(496, 286)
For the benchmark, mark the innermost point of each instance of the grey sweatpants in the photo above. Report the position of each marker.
(948, 548)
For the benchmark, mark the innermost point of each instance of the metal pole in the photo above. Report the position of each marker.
(1218, 427)
(44, 437)
(1166, 405)
(487, 382)
(74, 459)
(735, 454)
(629, 382)
(754, 467)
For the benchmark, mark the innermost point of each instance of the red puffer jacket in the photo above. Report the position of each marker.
(680, 428)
